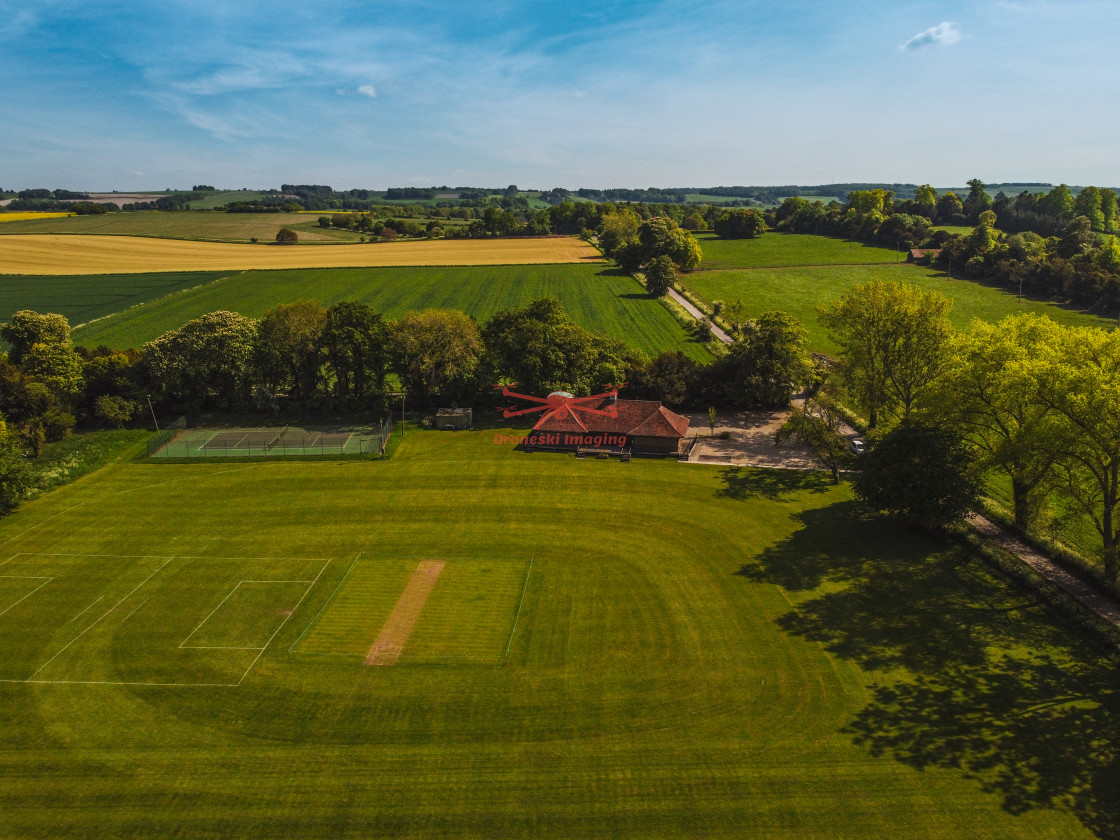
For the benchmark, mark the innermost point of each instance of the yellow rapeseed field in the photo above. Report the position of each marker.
(22, 216)
(76, 254)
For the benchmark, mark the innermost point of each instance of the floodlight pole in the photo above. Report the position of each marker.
(154, 420)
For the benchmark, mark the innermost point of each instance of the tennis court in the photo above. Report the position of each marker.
(265, 442)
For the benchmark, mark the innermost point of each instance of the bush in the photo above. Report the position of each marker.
(286, 236)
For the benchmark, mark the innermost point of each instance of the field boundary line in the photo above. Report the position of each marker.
(109, 496)
(183, 644)
(134, 611)
(123, 682)
(330, 598)
(520, 602)
(45, 580)
(87, 609)
(283, 623)
(102, 618)
(10, 559)
(210, 614)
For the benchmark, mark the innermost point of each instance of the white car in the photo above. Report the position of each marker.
(857, 446)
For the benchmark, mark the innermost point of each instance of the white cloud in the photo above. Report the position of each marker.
(942, 35)
(368, 90)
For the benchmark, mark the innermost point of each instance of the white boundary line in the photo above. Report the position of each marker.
(131, 614)
(117, 682)
(210, 614)
(183, 644)
(315, 618)
(103, 616)
(284, 622)
(524, 589)
(45, 580)
(87, 609)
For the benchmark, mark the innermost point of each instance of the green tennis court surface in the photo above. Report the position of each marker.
(254, 442)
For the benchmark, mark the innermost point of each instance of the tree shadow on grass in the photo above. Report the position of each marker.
(777, 485)
(968, 671)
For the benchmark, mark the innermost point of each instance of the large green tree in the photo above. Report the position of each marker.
(990, 389)
(28, 328)
(1079, 377)
(436, 353)
(540, 349)
(745, 223)
(207, 361)
(288, 357)
(767, 365)
(893, 339)
(660, 275)
(354, 343)
(922, 472)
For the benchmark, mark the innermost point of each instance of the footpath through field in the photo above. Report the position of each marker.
(697, 314)
(56, 254)
(1105, 607)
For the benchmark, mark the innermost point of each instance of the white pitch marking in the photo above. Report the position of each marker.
(29, 594)
(103, 616)
(282, 623)
(87, 609)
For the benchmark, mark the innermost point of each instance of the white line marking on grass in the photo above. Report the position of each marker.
(10, 559)
(118, 493)
(29, 594)
(211, 614)
(131, 614)
(183, 644)
(315, 618)
(524, 589)
(103, 616)
(122, 682)
(282, 623)
(87, 609)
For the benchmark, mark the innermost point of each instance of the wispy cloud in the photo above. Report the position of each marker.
(942, 35)
(367, 90)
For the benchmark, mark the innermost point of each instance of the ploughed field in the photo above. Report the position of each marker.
(466, 640)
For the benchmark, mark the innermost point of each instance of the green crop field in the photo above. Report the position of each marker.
(597, 298)
(83, 299)
(184, 655)
(788, 249)
(215, 227)
(801, 290)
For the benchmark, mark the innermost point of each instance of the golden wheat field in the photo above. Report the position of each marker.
(18, 216)
(54, 254)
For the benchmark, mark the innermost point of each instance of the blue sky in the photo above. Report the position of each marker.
(146, 95)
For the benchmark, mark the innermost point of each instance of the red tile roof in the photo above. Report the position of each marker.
(640, 418)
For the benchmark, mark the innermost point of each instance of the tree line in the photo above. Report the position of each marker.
(1026, 399)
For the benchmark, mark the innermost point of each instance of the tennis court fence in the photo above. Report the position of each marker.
(180, 441)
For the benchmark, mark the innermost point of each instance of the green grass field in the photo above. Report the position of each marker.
(84, 299)
(214, 227)
(182, 655)
(594, 297)
(788, 249)
(801, 290)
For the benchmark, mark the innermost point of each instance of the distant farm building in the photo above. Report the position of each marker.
(919, 254)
